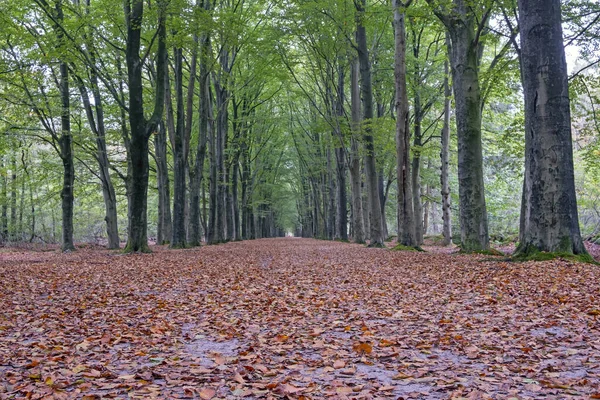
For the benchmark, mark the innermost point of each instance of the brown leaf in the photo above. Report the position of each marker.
(207, 393)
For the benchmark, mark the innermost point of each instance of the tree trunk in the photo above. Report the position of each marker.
(141, 129)
(551, 222)
(179, 158)
(445, 156)
(65, 146)
(4, 221)
(203, 126)
(376, 233)
(406, 214)
(98, 129)
(13, 196)
(464, 59)
(165, 224)
(66, 154)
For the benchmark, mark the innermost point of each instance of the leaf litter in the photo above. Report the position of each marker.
(298, 319)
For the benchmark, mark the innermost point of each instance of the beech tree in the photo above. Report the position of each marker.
(550, 222)
(465, 28)
(140, 127)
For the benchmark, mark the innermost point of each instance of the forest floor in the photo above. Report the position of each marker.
(295, 318)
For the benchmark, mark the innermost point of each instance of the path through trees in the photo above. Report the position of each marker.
(296, 317)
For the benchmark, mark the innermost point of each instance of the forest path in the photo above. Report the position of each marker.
(295, 317)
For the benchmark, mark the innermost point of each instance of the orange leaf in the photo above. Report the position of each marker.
(363, 348)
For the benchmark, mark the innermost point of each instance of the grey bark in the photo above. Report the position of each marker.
(340, 155)
(4, 217)
(445, 157)
(97, 126)
(13, 196)
(551, 222)
(460, 21)
(406, 215)
(66, 148)
(165, 223)
(203, 126)
(376, 231)
(179, 157)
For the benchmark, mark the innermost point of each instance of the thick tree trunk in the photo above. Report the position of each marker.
(445, 156)
(65, 146)
(406, 215)
(203, 126)
(376, 231)
(66, 154)
(467, 97)
(464, 59)
(551, 222)
(141, 129)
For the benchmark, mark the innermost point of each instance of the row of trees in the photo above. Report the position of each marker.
(241, 120)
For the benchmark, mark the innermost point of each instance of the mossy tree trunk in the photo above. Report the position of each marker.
(550, 222)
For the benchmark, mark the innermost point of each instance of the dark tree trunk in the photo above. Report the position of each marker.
(66, 154)
(4, 218)
(13, 196)
(445, 156)
(376, 232)
(203, 125)
(140, 128)
(212, 235)
(65, 145)
(165, 224)
(406, 214)
(551, 222)
(179, 156)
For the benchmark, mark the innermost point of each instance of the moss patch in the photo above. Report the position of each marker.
(488, 252)
(144, 249)
(401, 247)
(546, 256)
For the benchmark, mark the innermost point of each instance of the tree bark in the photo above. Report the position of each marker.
(140, 128)
(13, 196)
(97, 127)
(165, 224)
(551, 222)
(4, 217)
(464, 59)
(376, 231)
(203, 126)
(445, 156)
(66, 151)
(179, 157)
(406, 215)
(340, 153)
